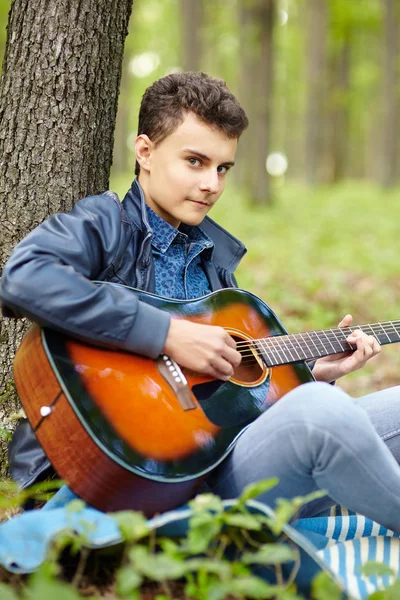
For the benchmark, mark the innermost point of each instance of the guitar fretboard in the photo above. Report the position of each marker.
(284, 349)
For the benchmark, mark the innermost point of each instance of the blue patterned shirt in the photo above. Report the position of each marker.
(177, 255)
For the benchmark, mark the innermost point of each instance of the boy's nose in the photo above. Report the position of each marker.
(210, 183)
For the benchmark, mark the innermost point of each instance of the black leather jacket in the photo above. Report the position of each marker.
(49, 279)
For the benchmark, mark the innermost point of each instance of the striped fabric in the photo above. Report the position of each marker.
(346, 541)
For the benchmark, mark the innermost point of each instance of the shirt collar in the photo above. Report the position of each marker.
(164, 234)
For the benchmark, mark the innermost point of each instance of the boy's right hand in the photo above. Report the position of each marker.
(207, 349)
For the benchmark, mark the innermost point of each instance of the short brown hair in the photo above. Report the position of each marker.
(167, 100)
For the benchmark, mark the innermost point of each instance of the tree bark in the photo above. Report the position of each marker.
(315, 88)
(391, 104)
(58, 102)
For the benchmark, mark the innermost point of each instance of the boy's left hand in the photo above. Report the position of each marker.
(330, 368)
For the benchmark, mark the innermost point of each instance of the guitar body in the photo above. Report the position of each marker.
(128, 432)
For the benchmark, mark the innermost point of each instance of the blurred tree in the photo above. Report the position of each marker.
(341, 31)
(316, 64)
(220, 40)
(192, 15)
(151, 51)
(58, 101)
(391, 96)
(257, 19)
(4, 8)
(121, 157)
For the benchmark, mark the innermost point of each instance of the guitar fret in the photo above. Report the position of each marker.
(283, 341)
(291, 348)
(339, 342)
(320, 344)
(373, 332)
(319, 353)
(307, 346)
(282, 351)
(395, 330)
(268, 347)
(294, 347)
(385, 333)
(333, 347)
(346, 335)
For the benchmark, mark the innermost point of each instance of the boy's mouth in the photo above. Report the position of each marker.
(200, 202)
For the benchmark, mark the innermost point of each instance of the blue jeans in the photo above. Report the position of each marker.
(318, 437)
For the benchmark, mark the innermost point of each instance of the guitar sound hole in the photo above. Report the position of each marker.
(249, 369)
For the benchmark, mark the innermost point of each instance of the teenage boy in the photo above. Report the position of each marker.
(160, 240)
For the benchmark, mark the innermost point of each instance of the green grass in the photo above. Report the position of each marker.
(317, 255)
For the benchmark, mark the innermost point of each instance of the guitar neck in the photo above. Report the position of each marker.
(285, 349)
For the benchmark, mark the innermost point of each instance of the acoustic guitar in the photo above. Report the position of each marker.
(129, 432)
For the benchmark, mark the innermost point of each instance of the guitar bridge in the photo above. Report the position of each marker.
(173, 375)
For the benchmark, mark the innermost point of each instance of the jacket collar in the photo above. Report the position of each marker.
(228, 250)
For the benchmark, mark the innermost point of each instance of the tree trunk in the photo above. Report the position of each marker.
(336, 154)
(192, 15)
(58, 101)
(391, 104)
(255, 92)
(315, 88)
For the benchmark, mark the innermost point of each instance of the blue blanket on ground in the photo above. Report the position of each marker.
(339, 542)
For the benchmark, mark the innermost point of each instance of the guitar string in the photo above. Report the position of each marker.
(284, 340)
(278, 345)
(301, 343)
(282, 348)
(385, 327)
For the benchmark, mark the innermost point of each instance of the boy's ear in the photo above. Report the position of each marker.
(143, 151)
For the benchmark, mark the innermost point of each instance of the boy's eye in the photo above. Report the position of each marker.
(194, 161)
(222, 169)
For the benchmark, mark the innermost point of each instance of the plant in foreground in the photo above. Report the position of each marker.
(233, 552)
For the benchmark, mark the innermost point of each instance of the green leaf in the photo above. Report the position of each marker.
(213, 591)
(324, 588)
(243, 520)
(46, 486)
(156, 567)
(169, 546)
(221, 568)
(256, 489)
(286, 509)
(128, 580)
(46, 572)
(391, 593)
(203, 528)
(42, 589)
(133, 525)
(75, 506)
(251, 587)
(270, 554)
(5, 435)
(207, 502)
(376, 568)
(7, 593)
(289, 594)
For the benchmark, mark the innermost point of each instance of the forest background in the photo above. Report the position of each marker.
(315, 191)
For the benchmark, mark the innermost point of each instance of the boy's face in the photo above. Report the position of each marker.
(184, 175)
